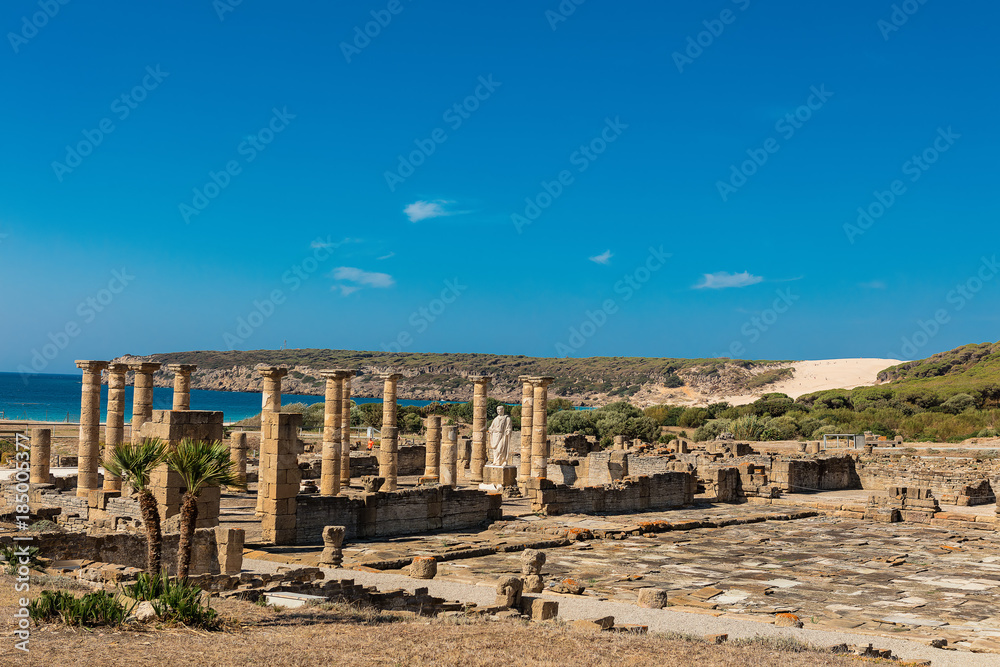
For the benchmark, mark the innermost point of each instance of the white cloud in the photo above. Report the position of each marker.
(724, 279)
(327, 243)
(423, 210)
(345, 289)
(391, 254)
(351, 279)
(603, 258)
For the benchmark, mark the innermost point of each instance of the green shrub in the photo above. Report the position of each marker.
(12, 560)
(93, 609)
(181, 602)
(693, 417)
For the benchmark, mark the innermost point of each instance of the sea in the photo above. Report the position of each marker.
(52, 397)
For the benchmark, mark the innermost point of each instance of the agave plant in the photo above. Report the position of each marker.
(200, 465)
(133, 463)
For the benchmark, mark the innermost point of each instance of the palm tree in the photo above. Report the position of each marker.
(200, 465)
(134, 462)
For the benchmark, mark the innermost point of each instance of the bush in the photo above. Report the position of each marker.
(12, 559)
(693, 417)
(180, 602)
(959, 403)
(711, 430)
(748, 427)
(573, 421)
(97, 608)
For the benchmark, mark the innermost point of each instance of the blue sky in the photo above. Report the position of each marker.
(643, 178)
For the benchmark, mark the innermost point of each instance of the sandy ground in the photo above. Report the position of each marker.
(823, 374)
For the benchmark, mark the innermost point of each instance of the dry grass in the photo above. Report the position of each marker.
(328, 634)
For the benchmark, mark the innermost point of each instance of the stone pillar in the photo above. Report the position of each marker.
(182, 384)
(270, 405)
(329, 483)
(89, 451)
(271, 393)
(539, 427)
(238, 454)
(478, 456)
(114, 429)
(279, 476)
(432, 458)
(142, 397)
(345, 425)
(388, 449)
(449, 457)
(41, 451)
(527, 403)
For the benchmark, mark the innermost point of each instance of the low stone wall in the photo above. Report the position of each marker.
(634, 494)
(952, 481)
(396, 513)
(815, 474)
(215, 550)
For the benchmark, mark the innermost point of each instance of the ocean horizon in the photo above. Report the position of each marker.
(56, 397)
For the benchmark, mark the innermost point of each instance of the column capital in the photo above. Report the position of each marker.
(334, 375)
(118, 368)
(182, 368)
(541, 380)
(390, 376)
(92, 366)
(348, 372)
(144, 366)
(481, 377)
(272, 372)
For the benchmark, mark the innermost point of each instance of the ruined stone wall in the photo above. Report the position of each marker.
(607, 467)
(635, 494)
(396, 512)
(571, 445)
(213, 549)
(804, 475)
(952, 481)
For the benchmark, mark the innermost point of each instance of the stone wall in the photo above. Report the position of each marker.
(635, 494)
(215, 550)
(804, 475)
(396, 512)
(952, 481)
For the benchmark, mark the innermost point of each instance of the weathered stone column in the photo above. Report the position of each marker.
(478, 456)
(41, 451)
(142, 397)
(114, 429)
(89, 452)
(182, 384)
(270, 405)
(539, 427)
(271, 393)
(388, 449)
(527, 408)
(329, 483)
(345, 425)
(238, 454)
(432, 457)
(449, 457)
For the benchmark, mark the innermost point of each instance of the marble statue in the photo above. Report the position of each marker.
(500, 430)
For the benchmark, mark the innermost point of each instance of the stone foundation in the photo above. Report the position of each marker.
(663, 491)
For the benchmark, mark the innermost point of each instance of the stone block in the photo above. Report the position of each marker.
(652, 598)
(423, 567)
(538, 609)
(509, 591)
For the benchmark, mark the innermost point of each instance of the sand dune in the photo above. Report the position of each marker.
(823, 374)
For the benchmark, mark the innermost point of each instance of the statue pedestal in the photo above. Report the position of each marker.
(499, 476)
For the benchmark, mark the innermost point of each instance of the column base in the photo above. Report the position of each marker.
(499, 475)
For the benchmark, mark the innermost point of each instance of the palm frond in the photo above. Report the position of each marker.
(133, 462)
(203, 464)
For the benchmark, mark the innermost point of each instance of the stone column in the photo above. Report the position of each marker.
(41, 450)
(270, 405)
(478, 456)
(329, 483)
(114, 429)
(142, 397)
(345, 425)
(527, 408)
(539, 427)
(432, 458)
(182, 384)
(238, 454)
(89, 452)
(449, 457)
(271, 393)
(388, 449)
